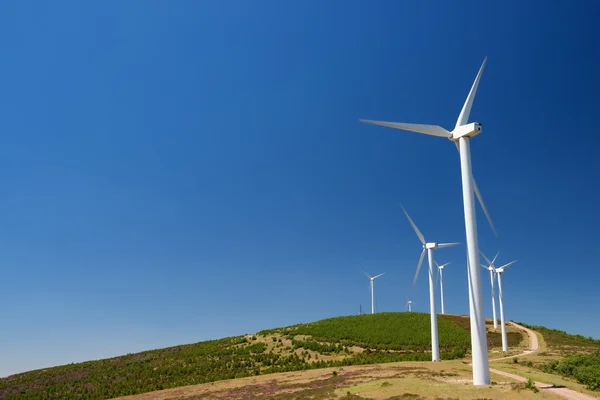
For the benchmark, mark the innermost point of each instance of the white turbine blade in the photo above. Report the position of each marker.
(436, 263)
(480, 199)
(443, 265)
(442, 245)
(368, 276)
(375, 277)
(485, 211)
(417, 231)
(419, 267)
(434, 130)
(494, 260)
(463, 118)
(507, 265)
(486, 259)
(484, 267)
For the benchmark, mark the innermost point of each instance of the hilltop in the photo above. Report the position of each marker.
(334, 342)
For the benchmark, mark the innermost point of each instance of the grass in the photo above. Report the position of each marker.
(408, 380)
(561, 342)
(574, 357)
(381, 331)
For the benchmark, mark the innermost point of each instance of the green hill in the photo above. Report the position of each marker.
(363, 339)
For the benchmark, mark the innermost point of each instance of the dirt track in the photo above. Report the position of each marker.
(533, 347)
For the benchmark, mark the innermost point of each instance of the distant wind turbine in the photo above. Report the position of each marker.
(409, 305)
(499, 272)
(429, 247)
(461, 136)
(492, 268)
(441, 277)
(372, 278)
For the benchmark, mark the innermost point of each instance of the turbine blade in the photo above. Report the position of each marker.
(368, 276)
(419, 267)
(417, 231)
(494, 260)
(442, 245)
(486, 259)
(375, 277)
(443, 265)
(487, 214)
(434, 130)
(484, 267)
(463, 118)
(507, 265)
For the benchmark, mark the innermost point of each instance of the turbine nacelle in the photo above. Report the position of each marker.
(468, 130)
(431, 245)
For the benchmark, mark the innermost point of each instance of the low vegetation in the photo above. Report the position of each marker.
(334, 342)
(382, 331)
(585, 368)
(574, 356)
(561, 342)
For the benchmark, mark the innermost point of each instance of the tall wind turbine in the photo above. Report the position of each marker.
(461, 135)
(429, 247)
(492, 268)
(441, 277)
(499, 272)
(372, 278)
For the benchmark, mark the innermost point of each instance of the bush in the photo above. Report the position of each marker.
(584, 368)
(531, 385)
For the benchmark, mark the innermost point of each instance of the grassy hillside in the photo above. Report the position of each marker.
(382, 331)
(562, 343)
(364, 339)
(573, 356)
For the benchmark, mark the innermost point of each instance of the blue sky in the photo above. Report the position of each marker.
(179, 171)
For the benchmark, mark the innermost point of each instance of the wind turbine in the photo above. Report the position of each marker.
(441, 277)
(409, 305)
(499, 272)
(492, 268)
(461, 135)
(429, 247)
(372, 278)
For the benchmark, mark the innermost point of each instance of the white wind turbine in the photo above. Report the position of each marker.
(409, 304)
(441, 277)
(435, 349)
(372, 278)
(499, 272)
(492, 268)
(461, 135)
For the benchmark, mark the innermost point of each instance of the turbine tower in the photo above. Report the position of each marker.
(441, 277)
(372, 278)
(429, 247)
(492, 268)
(499, 272)
(461, 135)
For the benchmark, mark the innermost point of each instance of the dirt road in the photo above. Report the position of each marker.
(533, 347)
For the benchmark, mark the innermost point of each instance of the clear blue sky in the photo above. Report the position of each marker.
(179, 171)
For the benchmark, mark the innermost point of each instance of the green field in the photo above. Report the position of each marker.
(383, 331)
